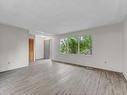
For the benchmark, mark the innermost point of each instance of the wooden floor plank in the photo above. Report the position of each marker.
(53, 78)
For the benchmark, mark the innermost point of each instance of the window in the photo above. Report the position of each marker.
(85, 44)
(76, 45)
(63, 46)
(72, 45)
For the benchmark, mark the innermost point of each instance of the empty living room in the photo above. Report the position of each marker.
(63, 47)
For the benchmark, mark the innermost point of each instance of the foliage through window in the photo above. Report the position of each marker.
(72, 43)
(85, 44)
(63, 46)
(76, 45)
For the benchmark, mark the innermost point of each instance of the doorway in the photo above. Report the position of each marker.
(31, 50)
(46, 49)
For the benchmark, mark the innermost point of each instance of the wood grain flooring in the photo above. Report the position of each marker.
(52, 78)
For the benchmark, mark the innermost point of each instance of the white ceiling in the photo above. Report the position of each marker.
(61, 16)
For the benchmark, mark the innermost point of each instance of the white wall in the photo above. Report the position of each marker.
(13, 47)
(107, 46)
(125, 48)
(39, 47)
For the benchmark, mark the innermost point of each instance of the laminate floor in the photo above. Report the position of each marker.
(52, 78)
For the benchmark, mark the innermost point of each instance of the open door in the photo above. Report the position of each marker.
(31, 50)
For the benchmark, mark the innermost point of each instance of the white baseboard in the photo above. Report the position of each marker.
(86, 66)
(13, 68)
(125, 75)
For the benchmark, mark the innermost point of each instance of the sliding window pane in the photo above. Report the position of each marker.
(63, 46)
(72, 45)
(85, 44)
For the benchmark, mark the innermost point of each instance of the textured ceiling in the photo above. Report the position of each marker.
(61, 16)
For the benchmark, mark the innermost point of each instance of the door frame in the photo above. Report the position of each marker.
(33, 49)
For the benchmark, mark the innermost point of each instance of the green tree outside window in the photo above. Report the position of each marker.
(76, 45)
